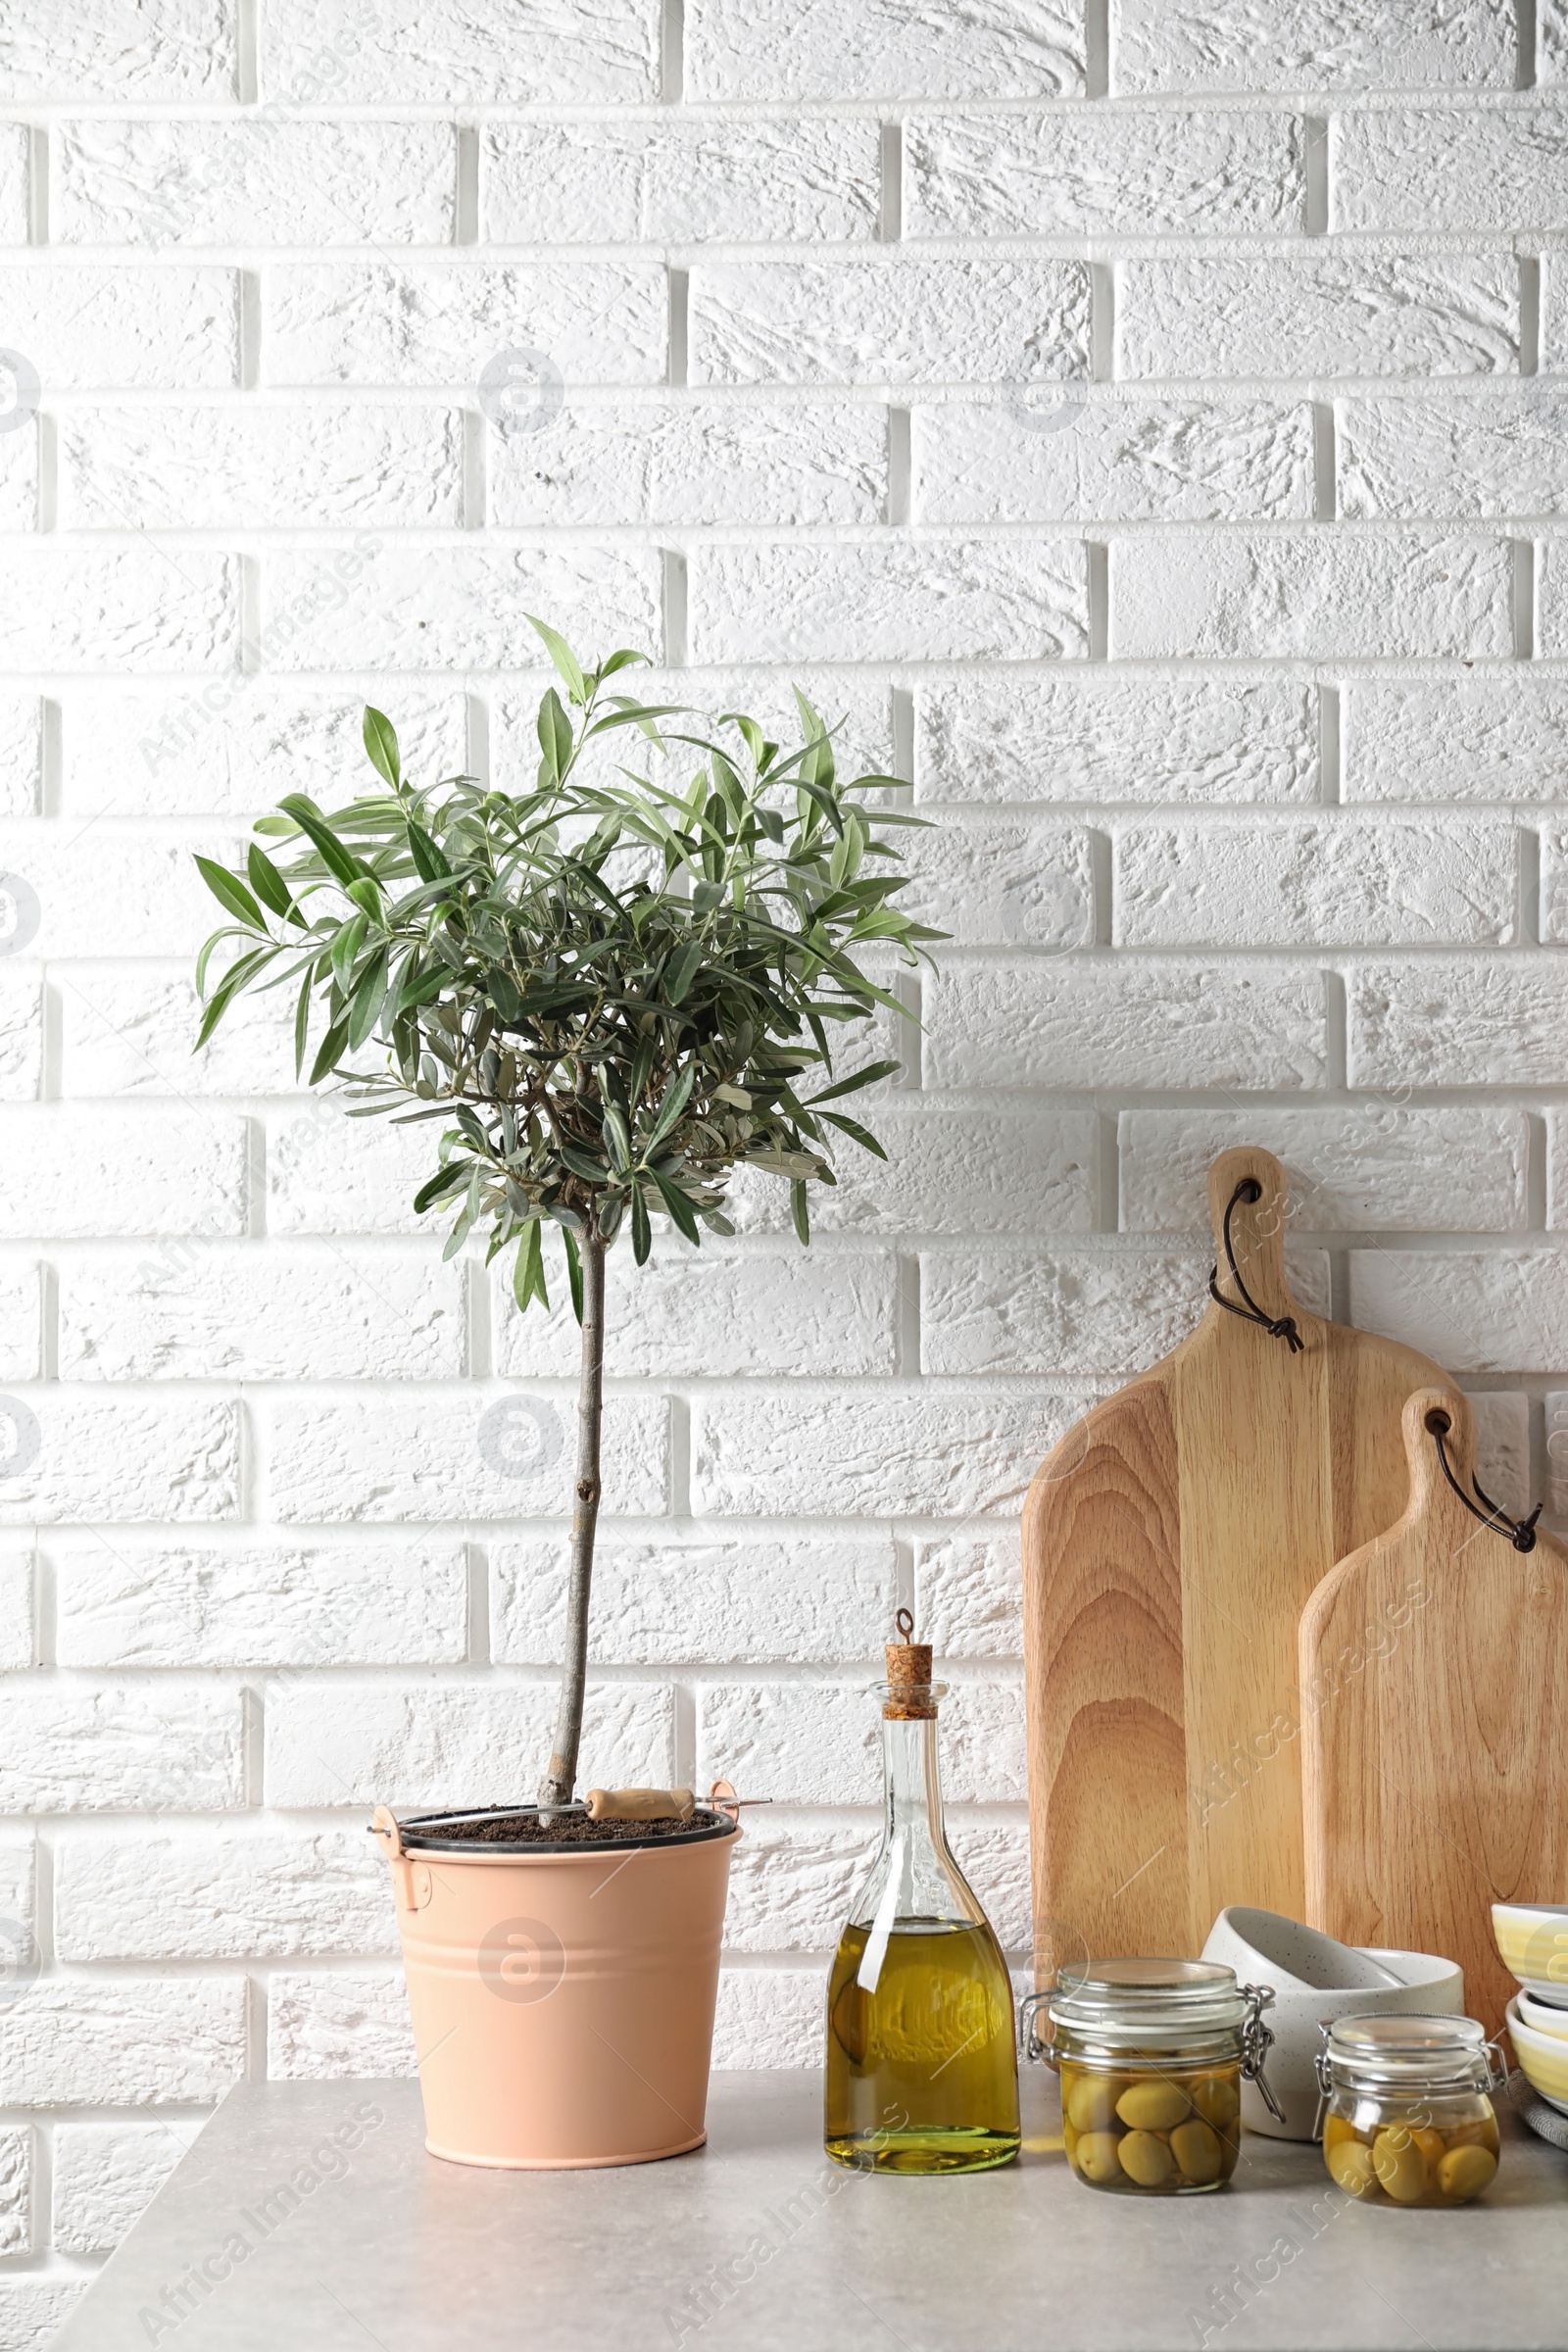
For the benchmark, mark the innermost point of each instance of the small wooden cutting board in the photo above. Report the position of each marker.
(1434, 1669)
(1170, 1542)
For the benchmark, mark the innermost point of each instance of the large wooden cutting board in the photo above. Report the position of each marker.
(1170, 1543)
(1434, 1667)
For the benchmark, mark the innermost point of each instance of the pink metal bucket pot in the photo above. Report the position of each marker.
(562, 2002)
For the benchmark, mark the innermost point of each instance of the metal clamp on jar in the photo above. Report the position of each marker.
(1407, 2110)
(1151, 2055)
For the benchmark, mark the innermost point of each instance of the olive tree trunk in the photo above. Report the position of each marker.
(555, 1789)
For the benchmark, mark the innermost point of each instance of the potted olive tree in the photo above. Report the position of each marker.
(611, 990)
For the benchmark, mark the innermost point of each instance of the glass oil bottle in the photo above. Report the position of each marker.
(922, 2072)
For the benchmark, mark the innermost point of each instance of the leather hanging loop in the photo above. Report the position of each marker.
(1520, 1532)
(1278, 1327)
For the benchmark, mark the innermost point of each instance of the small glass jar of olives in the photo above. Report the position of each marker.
(1151, 2056)
(1406, 2115)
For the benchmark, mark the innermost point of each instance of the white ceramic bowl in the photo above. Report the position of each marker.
(1315, 1979)
(1533, 1938)
(1542, 2016)
(1544, 2058)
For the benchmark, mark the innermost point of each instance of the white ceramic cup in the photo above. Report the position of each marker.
(1315, 1979)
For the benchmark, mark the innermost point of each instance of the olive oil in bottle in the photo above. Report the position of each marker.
(922, 2071)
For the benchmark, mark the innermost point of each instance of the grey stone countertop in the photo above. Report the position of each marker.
(759, 2242)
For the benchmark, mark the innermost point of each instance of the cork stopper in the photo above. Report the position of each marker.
(908, 1696)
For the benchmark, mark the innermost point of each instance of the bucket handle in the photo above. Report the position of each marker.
(410, 1880)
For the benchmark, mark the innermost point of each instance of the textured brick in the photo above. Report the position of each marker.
(889, 319)
(121, 2044)
(1371, 1167)
(353, 2022)
(937, 601)
(440, 50)
(792, 1882)
(78, 1745)
(17, 1889)
(455, 608)
(16, 2189)
(32, 2309)
(995, 175)
(1452, 1022)
(151, 1605)
(1160, 45)
(438, 323)
(774, 2017)
(1095, 1022)
(679, 182)
(247, 1313)
(686, 459)
(221, 1894)
(114, 893)
(239, 744)
(1475, 737)
(952, 1168)
(75, 609)
(1100, 739)
(21, 1328)
(1503, 1310)
(716, 1314)
(1110, 459)
(13, 182)
(20, 754)
(1317, 882)
(253, 182)
(1552, 42)
(969, 1597)
(828, 1453)
(86, 326)
(752, 1603)
(1499, 453)
(1073, 1312)
(816, 1745)
(18, 474)
(1362, 312)
(1551, 598)
(1441, 167)
(101, 1455)
(127, 1028)
(428, 1744)
(1557, 1176)
(329, 1173)
(1554, 883)
(126, 1171)
(474, 1454)
(21, 1038)
(206, 469)
(989, 881)
(776, 49)
(106, 2176)
(1314, 594)
(120, 49)
(18, 1642)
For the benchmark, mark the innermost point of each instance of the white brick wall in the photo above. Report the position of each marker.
(1143, 423)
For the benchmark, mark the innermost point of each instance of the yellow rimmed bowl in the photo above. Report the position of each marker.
(1533, 1939)
(1544, 2058)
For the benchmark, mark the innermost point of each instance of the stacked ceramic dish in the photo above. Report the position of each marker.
(1533, 1938)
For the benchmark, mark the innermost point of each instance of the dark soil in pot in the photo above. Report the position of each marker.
(506, 1830)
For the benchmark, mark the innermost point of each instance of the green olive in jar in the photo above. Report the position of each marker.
(1401, 2165)
(1147, 2159)
(1091, 2103)
(1199, 2150)
(1153, 2106)
(1096, 2156)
